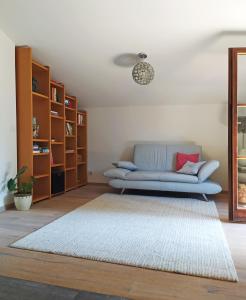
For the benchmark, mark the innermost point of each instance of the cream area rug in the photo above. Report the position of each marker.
(180, 235)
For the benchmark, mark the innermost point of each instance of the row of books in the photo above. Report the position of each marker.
(80, 119)
(54, 96)
(36, 148)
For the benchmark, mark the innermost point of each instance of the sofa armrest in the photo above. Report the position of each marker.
(117, 173)
(207, 170)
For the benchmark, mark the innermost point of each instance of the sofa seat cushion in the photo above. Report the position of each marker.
(161, 176)
(118, 173)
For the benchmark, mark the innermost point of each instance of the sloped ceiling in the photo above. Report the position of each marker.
(89, 45)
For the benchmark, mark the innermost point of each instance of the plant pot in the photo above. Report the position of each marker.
(23, 202)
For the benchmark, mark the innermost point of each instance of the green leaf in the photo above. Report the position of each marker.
(21, 171)
(11, 184)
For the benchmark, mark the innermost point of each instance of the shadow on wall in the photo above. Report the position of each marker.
(7, 197)
(176, 60)
(224, 116)
(126, 60)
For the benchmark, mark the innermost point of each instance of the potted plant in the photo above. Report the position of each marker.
(22, 190)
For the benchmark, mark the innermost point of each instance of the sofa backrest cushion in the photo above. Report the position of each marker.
(160, 157)
(150, 157)
(182, 148)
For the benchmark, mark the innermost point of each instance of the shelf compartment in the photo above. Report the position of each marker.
(73, 101)
(57, 130)
(70, 128)
(81, 175)
(41, 164)
(41, 113)
(71, 180)
(70, 160)
(58, 89)
(57, 154)
(57, 107)
(41, 189)
(40, 154)
(81, 139)
(41, 74)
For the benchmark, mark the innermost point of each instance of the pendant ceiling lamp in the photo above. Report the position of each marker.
(143, 73)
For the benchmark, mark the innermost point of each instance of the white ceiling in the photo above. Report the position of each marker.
(85, 42)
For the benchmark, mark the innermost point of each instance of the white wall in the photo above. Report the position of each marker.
(7, 115)
(112, 132)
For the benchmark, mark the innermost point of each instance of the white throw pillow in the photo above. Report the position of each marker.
(128, 165)
(191, 168)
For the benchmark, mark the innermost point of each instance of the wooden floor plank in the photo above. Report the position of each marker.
(107, 278)
(16, 289)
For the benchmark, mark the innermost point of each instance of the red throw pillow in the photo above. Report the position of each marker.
(182, 158)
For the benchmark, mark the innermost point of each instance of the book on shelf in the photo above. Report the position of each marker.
(80, 119)
(38, 149)
(70, 151)
(54, 113)
(53, 94)
(69, 129)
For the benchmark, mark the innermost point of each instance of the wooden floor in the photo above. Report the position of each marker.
(106, 278)
(19, 289)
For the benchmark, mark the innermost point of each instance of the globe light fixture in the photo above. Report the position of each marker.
(143, 73)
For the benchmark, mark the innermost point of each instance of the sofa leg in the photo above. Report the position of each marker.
(205, 197)
(122, 191)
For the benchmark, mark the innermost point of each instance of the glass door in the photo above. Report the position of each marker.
(237, 133)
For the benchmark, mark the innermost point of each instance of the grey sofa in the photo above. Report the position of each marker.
(156, 171)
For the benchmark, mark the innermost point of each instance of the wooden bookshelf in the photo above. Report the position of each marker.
(33, 104)
(37, 99)
(81, 148)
